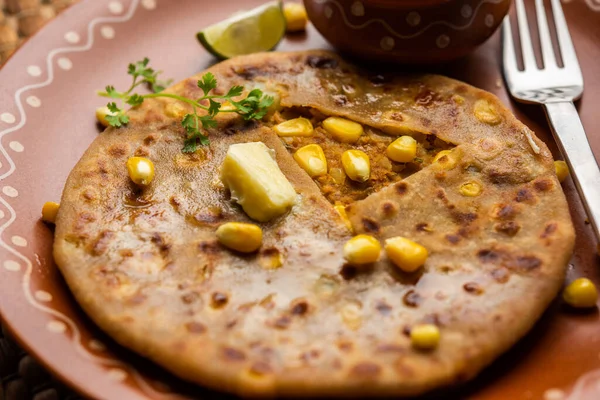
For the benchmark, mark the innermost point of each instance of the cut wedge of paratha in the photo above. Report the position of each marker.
(294, 319)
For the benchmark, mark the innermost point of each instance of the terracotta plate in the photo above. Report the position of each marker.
(47, 102)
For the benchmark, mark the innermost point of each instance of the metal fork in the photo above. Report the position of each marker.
(555, 88)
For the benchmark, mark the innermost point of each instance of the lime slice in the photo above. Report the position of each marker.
(259, 29)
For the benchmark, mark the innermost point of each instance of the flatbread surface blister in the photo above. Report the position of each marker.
(293, 319)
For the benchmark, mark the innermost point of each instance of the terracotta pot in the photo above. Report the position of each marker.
(407, 31)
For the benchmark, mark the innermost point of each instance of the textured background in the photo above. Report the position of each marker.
(21, 377)
(20, 19)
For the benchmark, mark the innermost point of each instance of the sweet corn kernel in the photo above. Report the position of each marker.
(425, 336)
(362, 249)
(271, 259)
(49, 211)
(101, 114)
(356, 165)
(562, 170)
(403, 149)
(343, 130)
(239, 236)
(338, 175)
(581, 293)
(256, 182)
(175, 110)
(471, 189)
(312, 159)
(440, 155)
(295, 17)
(141, 170)
(341, 210)
(294, 127)
(405, 254)
(486, 112)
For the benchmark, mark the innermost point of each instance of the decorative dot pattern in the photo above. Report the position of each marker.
(33, 101)
(19, 241)
(442, 41)
(387, 43)
(56, 326)
(64, 63)
(34, 70)
(10, 191)
(8, 118)
(413, 18)
(116, 374)
(11, 265)
(115, 7)
(72, 37)
(16, 146)
(107, 32)
(357, 9)
(149, 4)
(43, 296)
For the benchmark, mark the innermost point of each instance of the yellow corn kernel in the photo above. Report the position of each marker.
(239, 236)
(256, 182)
(403, 149)
(295, 17)
(486, 112)
(356, 165)
(581, 293)
(338, 175)
(562, 170)
(440, 155)
(471, 189)
(141, 170)
(405, 254)
(341, 210)
(175, 110)
(362, 249)
(294, 127)
(49, 211)
(343, 130)
(312, 159)
(101, 114)
(425, 336)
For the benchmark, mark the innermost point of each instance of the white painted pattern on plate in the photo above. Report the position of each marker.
(19, 241)
(10, 191)
(15, 266)
(72, 37)
(328, 13)
(64, 63)
(107, 32)
(42, 295)
(7, 117)
(56, 326)
(16, 146)
(34, 70)
(115, 7)
(33, 101)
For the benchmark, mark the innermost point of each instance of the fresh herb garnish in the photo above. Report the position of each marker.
(254, 106)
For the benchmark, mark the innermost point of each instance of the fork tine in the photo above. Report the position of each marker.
(564, 38)
(509, 59)
(545, 41)
(526, 46)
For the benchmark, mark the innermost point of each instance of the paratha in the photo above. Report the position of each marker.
(146, 266)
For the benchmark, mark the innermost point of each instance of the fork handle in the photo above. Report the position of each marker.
(575, 148)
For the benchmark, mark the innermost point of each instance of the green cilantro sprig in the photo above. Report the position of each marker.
(254, 106)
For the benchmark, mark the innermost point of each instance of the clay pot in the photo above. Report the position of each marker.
(407, 31)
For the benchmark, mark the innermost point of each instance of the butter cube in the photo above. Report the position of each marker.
(256, 182)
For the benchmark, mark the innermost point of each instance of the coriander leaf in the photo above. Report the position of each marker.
(135, 100)
(117, 120)
(235, 91)
(112, 107)
(190, 145)
(159, 86)
(112, 92)
(208, 122)
(207, 83)
(189, 123)
(213, 108)
(266, 102)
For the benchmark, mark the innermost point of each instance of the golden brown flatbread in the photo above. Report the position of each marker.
(146, 266)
